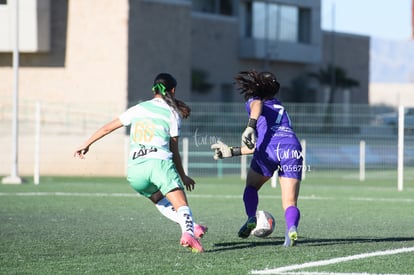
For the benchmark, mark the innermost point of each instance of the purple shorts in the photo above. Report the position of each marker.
(286, 158)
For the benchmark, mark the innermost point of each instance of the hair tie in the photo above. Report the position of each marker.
(160, 87)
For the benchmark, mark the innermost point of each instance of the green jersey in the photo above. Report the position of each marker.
(153, 123)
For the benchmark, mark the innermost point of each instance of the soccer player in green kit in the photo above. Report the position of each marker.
(154, 164)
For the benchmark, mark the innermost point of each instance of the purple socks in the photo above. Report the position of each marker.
(292, 216)
(251, 200)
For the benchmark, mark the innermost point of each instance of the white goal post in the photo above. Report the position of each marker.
(400, 166)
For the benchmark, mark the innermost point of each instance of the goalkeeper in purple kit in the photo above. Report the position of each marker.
(270, 138)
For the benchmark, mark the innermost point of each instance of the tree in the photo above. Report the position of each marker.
(336, 79)
(199, 81)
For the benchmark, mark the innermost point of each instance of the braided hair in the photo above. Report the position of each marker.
(163, 84)
(254, 84)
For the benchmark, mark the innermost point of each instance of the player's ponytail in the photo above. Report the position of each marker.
(253, 84)
(163, 84)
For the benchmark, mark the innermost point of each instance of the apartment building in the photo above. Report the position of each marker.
(101, 56)
(111, 50)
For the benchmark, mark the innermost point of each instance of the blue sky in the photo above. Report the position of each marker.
(387, 19)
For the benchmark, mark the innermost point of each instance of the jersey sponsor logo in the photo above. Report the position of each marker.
(282, 131)
(143, 151)
(282, 153)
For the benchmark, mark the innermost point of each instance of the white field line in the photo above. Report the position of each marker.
(70, 194)
(204, 196)
(332, 273)
(287, 269)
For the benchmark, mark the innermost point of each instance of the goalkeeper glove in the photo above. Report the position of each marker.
(249, 134)
(222, 150)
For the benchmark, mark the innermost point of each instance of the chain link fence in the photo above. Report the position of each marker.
(334, 136)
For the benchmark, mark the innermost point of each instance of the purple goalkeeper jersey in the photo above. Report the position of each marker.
(277, 147)
(273, 125)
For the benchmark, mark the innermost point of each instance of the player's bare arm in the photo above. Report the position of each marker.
(100, 133)
(256, 109)
(188, 182)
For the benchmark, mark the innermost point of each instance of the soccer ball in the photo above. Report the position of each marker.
(265, 224)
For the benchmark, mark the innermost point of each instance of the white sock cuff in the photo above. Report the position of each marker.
(163, 202)
(184, 210)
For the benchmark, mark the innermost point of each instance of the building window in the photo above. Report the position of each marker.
(3, 2)
(288, 22)
(264, 20)
(275, 22)
(222, 7)
(304, 26)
